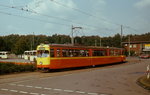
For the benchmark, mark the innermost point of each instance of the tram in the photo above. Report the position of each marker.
(55, 56)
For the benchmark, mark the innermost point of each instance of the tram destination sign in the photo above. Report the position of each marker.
(41, 48)
(147, 46)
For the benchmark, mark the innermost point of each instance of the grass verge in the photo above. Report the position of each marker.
(7, 68)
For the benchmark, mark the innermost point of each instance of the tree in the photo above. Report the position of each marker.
(21, 46)
(2, 44)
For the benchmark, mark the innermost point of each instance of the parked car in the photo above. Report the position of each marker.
(144, 56)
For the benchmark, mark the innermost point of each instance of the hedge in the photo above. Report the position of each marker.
(7, 68)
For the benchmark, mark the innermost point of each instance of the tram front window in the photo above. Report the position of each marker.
(43, 53)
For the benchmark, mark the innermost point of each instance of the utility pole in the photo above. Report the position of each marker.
(72, 31)
(121, 36)
(33, 39)
(100, 42)
(95, 43)
(129, 46)
(32, 42)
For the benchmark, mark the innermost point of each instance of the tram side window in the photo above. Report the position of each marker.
(51, 52)
(58, 53)
(74, 53)
(70, 53)
(65, 53)
(118, 52)
(114, 52)
(99, 53)
(111, 52)
(84, 53)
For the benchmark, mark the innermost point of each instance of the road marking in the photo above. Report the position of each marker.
(34, 93)
(4, 89)
(43, 94)
(38, 87)
(12, 84)
(20, 85)
(80, 92)
(48, 88)
(57, 89)
(29, 86)
(68, 90)
(92, 93)
(23, 92)
(13, 90)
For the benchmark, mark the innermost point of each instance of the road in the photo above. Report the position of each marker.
(117, 79)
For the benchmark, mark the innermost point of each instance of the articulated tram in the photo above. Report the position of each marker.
(55, 56)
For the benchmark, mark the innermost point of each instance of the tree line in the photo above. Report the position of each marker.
(19, 43)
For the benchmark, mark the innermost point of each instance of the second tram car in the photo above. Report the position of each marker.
(68, 56)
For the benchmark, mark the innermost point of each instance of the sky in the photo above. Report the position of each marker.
(94, 17)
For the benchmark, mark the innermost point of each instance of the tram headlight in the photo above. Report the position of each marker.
(41, 63)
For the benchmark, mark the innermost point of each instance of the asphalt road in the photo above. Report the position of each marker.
(109, 80)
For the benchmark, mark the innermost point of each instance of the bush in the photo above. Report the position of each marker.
(6, 68)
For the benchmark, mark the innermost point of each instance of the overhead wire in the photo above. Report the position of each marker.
(32, 11)
(64, 19)
(81, 11)
(88, 14)
(35, 19)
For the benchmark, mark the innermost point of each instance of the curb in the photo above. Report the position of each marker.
(140, 83)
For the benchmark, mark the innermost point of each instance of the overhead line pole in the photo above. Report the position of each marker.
(72, 31)
(121, 35)
(129, 45)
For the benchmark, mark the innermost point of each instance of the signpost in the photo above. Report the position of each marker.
(148, 72)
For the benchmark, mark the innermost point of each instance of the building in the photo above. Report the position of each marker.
(137, 47)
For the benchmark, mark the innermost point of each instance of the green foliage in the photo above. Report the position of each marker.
(2, 44)
(19, 43)
(6, 68)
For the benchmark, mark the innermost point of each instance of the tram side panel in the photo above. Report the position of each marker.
(59, 63)
(69, 62)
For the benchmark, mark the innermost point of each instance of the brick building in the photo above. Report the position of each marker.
(137, 47)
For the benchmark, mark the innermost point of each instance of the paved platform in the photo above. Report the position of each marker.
(14, 60)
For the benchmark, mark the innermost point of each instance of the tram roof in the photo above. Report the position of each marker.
(80, 46)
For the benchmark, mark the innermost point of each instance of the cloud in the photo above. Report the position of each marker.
(49, 6)
(142, 4)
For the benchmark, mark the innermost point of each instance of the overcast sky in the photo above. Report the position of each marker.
(96, 17)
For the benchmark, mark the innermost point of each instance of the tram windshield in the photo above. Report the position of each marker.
(42, 53)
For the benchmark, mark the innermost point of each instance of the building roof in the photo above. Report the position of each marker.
(136, 42)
